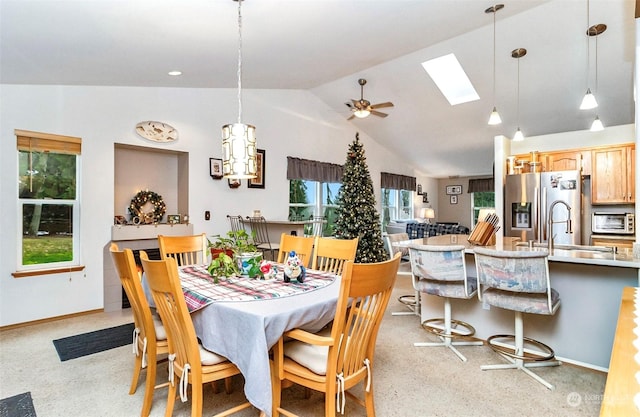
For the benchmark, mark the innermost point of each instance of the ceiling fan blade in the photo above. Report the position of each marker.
(382, 105)
(351, 117)
(378, 113)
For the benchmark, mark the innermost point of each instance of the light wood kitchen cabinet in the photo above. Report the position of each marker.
(562, 161)
(610, 242)
(613, 175)
(573, 160)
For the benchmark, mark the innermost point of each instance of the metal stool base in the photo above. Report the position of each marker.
(437, 327)
(537, 354)
(541, 354)
(433, 326)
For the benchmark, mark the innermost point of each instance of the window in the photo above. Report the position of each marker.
(48, 199)
(397, 197)
(480, 200)
(396, 204)
(313, 198)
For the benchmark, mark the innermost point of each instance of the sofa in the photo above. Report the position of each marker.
(417, 230)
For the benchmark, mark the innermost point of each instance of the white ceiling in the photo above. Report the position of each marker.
(325, 46)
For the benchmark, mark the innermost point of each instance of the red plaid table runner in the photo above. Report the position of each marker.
(200, 290)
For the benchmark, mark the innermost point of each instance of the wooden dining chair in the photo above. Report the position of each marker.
(189, 362)
(330, 254)
(150, 338)
(187, 250)
(333, 362)
(303, 246)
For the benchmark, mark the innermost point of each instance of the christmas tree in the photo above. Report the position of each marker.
(356, 214)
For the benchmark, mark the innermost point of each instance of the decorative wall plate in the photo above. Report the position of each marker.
(157, 131)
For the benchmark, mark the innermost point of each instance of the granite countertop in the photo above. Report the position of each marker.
(623, 258)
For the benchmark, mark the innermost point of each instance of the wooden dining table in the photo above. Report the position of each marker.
(242, 318)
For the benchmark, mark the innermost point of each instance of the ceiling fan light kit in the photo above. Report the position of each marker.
(363, 108)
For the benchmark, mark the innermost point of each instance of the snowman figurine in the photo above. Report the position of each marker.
(293, 268)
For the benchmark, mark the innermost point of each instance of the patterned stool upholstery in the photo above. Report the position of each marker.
(441, 271)
(518, 281)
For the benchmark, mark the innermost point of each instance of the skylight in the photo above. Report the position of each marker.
(451, 79)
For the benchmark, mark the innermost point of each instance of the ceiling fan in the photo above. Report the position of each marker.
(363, 108)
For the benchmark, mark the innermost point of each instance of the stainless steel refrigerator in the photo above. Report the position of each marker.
(528, 198)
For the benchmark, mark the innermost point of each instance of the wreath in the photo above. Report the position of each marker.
(135, 207)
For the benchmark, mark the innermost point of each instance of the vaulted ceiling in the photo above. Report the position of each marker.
(325, 46)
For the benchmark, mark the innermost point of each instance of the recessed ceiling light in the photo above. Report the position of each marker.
(451, 79)
(175, 73)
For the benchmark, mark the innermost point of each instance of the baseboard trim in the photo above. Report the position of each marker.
(51, 319)
(583, 364)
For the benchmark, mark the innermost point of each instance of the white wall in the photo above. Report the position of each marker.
(289, 123)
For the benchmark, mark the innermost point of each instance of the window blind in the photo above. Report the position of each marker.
(46, 142)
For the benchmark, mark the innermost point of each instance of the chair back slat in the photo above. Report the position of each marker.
(236, 223)
(164, 283)
(186, 250)
(316, 225)
(330, 255)
(125, 265)
(303, 246)
(364, 296)
(259, 230)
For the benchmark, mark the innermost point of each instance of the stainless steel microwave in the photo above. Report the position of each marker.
(615, 223)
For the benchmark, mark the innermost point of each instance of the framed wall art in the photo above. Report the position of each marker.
(419, 189)
(215, 168)
(258, 182)
(454, 189)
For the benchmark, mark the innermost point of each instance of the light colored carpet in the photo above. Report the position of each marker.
(408, 381)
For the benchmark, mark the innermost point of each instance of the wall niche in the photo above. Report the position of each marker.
(165, 172)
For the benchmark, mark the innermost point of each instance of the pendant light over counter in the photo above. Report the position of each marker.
(517, 54)
(494, 118)
(239, 139)
(594, 31)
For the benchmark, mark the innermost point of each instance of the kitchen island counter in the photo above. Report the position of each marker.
(590, 284)
(623, 258)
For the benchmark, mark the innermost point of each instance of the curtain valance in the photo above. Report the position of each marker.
(481, 185)
(306, 169)
(397, 182)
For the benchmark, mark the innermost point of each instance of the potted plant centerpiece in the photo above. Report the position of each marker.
(236, 254)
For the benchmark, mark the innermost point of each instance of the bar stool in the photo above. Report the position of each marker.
(518, 281)
(441, 271)
(411, 301)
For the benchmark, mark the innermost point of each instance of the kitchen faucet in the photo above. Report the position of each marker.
(551, 222)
